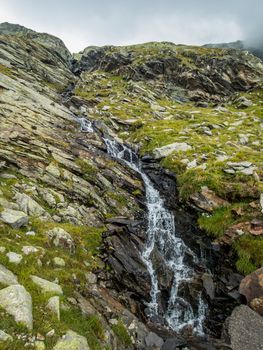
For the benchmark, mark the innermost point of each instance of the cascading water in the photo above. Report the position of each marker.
(161, 235)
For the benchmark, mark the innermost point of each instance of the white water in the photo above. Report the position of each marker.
(85, 124)
(162, 236)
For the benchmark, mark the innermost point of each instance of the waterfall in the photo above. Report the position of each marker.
(160, 235)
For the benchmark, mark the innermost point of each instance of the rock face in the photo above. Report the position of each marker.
(72, 341)
(14, 218)
(203, 76)
(17, 302)
(49, 41)
(243, 329)
(252, 288)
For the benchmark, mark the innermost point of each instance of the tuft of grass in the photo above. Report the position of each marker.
(216, 224)
(122, 334)
(250, 253)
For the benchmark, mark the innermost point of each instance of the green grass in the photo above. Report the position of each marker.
(217, 223)
(249, 251)
(122, 334)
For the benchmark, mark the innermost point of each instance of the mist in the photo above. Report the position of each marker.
(119, 22)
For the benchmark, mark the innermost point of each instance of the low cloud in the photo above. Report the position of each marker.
(84, 22)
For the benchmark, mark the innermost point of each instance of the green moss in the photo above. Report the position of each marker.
(86, 167)
(122, 334)
(6, 71)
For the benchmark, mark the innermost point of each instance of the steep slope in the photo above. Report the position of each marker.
(72, 215)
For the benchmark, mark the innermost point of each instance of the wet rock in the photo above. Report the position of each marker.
(47, 286)
(165, 151)
(252, 288)
(207, 200)
(174, 344)
(17, 302)
(153, 341)
(209, 285)
(14, 218)
(72, 341)
(7, 277)
(243, 329)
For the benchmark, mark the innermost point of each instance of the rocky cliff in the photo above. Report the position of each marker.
(72, 219)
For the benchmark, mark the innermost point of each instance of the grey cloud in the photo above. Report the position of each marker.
(84, 22)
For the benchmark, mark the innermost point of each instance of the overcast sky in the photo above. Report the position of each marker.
(80, 23)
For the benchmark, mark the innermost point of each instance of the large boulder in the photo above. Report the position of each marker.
(47, 286)
(29, 205)
(61, 238)
(252, 288)
(72, 341)
(16, 301)
(7, 277)
(165, 151)
(207, 200)
(14, 218)
(243, 329)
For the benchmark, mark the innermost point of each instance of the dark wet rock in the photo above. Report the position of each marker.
(209, 285)
(174, 344)
(243, 329)
(153, 341)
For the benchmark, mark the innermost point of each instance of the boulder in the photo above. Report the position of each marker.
(7, 277)
(243, 329)
(207, 200)
(29, 205)
(14, 257)
(53, 306)
(16, 301)
(165, 151)
(61, 238)
(252, 288)
(47, 286)
(4, 336)
(14, 218)
(59, 262)
(72, 341)
(153, 341)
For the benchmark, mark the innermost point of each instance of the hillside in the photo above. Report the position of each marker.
(73, 217)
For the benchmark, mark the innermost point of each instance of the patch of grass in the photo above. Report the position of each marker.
(217, 223)
(90, 327)
(122, 334)
(249, 250)
(86, 167)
